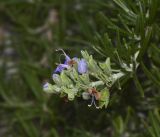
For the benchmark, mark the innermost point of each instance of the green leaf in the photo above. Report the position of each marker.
(145, 42)
(149, 75)
(138, 85)
(29, 128)
(85, 78)
(106, 66)
(70, 92)
(119, 125)
(66, 81)
(57, 79)
(104, 99)
(156, 125)
(128, 11)
(52, 89)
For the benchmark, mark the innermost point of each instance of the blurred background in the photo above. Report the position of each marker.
(30, 31)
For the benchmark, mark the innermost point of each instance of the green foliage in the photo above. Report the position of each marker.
(126, 31)
(154, 126)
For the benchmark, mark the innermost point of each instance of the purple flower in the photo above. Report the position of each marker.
(75, 59)
(82, 66)
(61, 67)
(67, 59)
(67, 63)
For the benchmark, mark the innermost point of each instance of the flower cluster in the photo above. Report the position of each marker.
(84, 77)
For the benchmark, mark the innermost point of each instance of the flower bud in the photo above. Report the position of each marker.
(82, 66)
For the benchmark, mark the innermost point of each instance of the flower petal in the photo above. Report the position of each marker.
(75, 59)
(67, 58)
(82, 66)
(61, 67)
